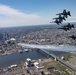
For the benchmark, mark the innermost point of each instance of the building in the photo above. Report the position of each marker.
(38, 66)
(28, 63)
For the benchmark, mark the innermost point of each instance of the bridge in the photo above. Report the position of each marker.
(58, 59)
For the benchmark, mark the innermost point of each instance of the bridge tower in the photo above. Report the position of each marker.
(55, 58)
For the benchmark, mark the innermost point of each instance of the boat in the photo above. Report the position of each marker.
(26, 50)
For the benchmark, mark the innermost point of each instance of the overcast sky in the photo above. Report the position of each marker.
(33, 12)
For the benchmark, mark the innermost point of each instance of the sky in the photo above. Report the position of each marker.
(33, 12)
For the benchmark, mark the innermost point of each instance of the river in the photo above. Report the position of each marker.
(17, 57)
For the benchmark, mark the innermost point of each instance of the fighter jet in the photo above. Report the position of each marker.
(57, 22)
(60, 18)
(73, 37)
(64, 28)
(65, 13)
(70, 26)
(67, 27)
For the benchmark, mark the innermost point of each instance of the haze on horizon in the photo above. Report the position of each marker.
(33, 12)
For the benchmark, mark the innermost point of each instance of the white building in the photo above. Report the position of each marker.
(28, 62)
(38, 66)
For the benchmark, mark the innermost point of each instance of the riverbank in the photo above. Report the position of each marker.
(17, 57)
(46, 65)
(16, 51)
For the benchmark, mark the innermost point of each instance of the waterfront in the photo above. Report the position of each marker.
(8, 60)
(17, 57)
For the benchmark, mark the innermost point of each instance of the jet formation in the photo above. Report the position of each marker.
(67, 27)
(61, 16)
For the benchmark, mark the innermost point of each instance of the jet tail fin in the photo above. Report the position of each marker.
(73, 26)
(69, 13)
(54, 18)
(59, 14)
(64, 18)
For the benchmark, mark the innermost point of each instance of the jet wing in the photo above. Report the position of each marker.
(55, 18)
(63, 29)
(59, 14)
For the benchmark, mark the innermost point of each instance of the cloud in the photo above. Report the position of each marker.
(13, 17)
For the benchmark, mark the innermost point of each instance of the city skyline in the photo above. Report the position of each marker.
(33, 12)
